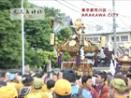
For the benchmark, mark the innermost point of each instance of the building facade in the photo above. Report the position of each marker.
(122, 43)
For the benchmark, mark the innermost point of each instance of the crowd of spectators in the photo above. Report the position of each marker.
(66, 84)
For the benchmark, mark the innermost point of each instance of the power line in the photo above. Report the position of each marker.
(123, 22)
(107, 9)
(71, 7)
(67, 6)
(91, 3)
(66, 1)
(97, 6)
(129, 17)
(123, 16)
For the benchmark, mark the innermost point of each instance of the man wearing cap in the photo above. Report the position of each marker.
(118, 88)
(76, 90)
(70, 75)
(62, 89)
(36, 91)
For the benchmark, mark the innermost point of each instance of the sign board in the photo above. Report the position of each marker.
(29, 14)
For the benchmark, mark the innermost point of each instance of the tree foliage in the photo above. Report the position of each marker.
(38, 51)
(64, 34)
(10, 43)
(38, 39)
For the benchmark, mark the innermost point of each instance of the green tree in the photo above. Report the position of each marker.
(38, 48)
(37, 34)
(64, 34)
(10, 42)
(66, 56)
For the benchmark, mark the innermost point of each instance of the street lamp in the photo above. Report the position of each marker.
(23, 37)
(114, 26)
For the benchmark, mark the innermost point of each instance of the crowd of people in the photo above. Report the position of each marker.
(66, 84)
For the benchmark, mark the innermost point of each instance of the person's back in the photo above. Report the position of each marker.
(8, 92)
(36, 94)
(18, 86)
(27, 88)
(49, 92)
(14, 81)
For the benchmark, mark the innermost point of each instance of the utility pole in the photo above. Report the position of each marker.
(114, 27)
(23, 37)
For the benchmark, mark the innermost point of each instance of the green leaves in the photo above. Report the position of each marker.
(5, 4)
(38, 50)
(64, 34)
(37, 34)
(10, 37)
(66, 56)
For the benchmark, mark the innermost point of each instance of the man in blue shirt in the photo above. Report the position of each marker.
(70, 75)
